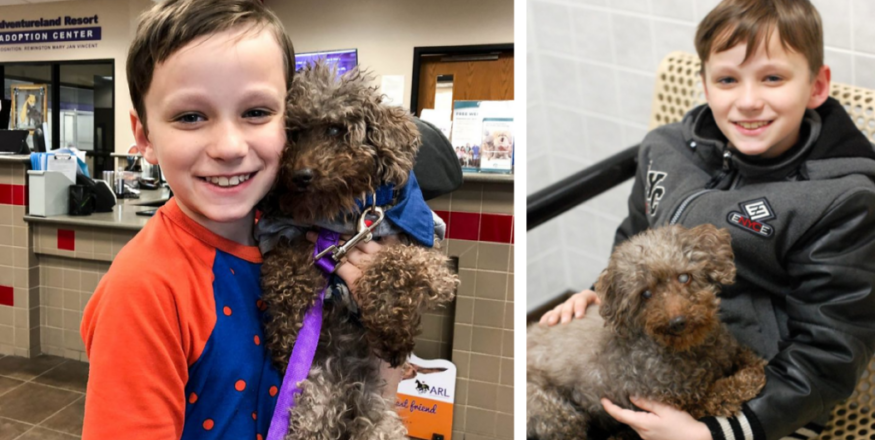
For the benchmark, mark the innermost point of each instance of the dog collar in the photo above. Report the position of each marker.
(405, 208)
(383, 196)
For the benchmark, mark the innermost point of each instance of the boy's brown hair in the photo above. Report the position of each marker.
(752, 22)
(172, 24)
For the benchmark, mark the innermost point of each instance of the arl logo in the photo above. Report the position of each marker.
(754, 213)
(653, 190)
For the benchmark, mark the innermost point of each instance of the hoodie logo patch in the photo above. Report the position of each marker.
(653, 190)
(752, 217)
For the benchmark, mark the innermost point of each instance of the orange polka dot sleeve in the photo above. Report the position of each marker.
(143, 328)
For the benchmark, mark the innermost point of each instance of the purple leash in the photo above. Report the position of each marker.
(305, 345)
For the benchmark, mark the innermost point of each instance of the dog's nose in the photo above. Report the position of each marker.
(677, 324)
(303, 177)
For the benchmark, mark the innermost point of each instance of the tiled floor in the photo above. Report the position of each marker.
(41, 398)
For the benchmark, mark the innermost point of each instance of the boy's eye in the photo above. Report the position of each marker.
(773, 78)
(257, 113)
(725, 80)
(190, 118)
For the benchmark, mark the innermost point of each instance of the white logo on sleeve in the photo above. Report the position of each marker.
(758, 210)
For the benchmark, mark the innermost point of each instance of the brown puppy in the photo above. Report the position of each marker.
(660, 338)
(343, 144)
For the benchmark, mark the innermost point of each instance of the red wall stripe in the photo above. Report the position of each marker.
(5, 194)
(13, 194)
(6, 296)
(464, 226)
(19, 195)
(67, 239)
(496, 228)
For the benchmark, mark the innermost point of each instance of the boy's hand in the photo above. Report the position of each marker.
(358, 258)
(659, 422)
(575, 305)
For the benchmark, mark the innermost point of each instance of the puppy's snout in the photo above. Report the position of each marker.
(303, 177)
(677, 324)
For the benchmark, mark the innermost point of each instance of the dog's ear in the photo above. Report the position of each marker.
(615, 307)
(715, 246)
(394, 137)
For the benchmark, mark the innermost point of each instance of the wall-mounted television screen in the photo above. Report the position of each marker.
(343, 59)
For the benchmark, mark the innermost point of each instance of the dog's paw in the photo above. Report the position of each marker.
(394, 290)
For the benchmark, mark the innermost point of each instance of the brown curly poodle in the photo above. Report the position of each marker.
(343, 144)
(660, 338)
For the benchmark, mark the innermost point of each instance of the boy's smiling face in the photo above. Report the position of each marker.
(215, 115)
(758, 104)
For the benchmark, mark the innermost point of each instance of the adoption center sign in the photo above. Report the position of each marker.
(425, 398)
(49, 33)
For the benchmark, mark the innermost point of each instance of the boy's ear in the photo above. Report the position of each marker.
(820, 88)
(142, 139)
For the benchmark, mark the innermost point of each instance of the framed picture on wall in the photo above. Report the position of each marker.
(29, 106)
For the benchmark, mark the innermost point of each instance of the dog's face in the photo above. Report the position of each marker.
(664, 283)
(342, 144)
(502, 140)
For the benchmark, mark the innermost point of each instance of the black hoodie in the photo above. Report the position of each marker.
(803, 233)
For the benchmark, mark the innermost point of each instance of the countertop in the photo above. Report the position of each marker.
(24, 158)
(123, 215)
(487, 178)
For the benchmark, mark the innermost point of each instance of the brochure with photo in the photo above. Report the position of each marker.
(497, 145)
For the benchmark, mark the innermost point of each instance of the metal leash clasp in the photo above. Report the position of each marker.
(365, 233)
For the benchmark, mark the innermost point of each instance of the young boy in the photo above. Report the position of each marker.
(175, 339)
(785, 170)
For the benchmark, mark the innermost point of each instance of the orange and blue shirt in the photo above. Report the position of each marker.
(174, 338)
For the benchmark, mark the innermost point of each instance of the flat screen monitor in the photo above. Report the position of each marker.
(343, 59)
(14, 142)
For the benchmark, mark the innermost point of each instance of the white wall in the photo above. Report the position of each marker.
(386, 31)
(591, 68)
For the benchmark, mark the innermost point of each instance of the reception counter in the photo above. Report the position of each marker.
(50, 268)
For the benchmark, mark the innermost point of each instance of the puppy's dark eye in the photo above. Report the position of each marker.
(333, 131)
(684, 278)
(646, 294)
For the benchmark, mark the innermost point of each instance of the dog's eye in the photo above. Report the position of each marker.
(646, 294)
(333, 131)
(684, 278)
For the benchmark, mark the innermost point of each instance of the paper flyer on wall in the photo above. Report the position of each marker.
(466, 135)
(497, 145)
(480, 126)
(425, 398)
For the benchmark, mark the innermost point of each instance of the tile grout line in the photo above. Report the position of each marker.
(32, 427)
(50, 369)
(58, 412)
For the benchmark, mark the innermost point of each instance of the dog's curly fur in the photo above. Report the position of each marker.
(660, 338)
(350, 143)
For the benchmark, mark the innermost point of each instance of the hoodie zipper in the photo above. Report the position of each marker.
(727, 167)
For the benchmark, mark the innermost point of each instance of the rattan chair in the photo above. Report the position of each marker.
(679, 89)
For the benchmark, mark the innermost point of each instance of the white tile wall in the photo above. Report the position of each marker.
(591, 68)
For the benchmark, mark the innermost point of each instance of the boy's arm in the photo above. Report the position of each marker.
(831, 319)
(437, 167)
(138, 367)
